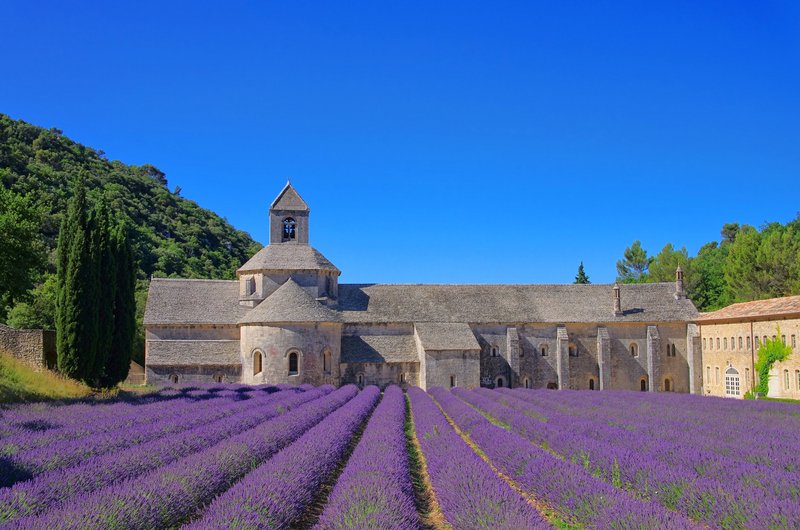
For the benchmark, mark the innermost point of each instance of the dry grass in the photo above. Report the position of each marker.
(20, 383)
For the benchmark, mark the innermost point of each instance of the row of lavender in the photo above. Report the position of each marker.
(638, 443)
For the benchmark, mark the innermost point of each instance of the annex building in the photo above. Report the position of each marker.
(287, 319)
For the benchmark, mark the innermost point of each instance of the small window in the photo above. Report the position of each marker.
(758, 342)
(764, 340)
(643, 385)
(674, 351)
(495, 351)
(218, 377)
(786, 379)
(747, 376)
(733, 343)
(667, 385)
(360, 379)
(402, 378)
(543, 350)
(326, 362)
(749, 344)
(716, 375)
(725, 343)
(173, 378)
(704, 343)
(783, 339)
(258, 361)
(500, 382)
(797, 378)
(452, 381)
(289, 229)
(573, 350)
(293, 364)
(708, 375)
(634, 349)
(718, 347)
(741, 342)
(794, 341)
(527, 383)
(591, 384)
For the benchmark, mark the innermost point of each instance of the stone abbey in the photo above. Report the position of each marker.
(287, 319)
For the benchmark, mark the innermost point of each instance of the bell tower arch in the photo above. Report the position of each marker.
(288, 218)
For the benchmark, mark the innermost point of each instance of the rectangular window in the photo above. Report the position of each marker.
(797, 378)
(786, 379)
(452, 381)
(783, 339)
(794, 341)
(725, 343)
(740, 343)
(708, 374)
(704, 343)
(748, 342)
(747, 377)
(758, 342)
(716, 375)
(717, 342)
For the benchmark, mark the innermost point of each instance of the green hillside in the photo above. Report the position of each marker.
(172, 236)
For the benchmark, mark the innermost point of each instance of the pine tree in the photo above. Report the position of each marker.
(76, 321)
(124, 330)
(581, 277)
(634, 265)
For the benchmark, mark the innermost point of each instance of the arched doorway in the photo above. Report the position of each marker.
(173, 378)
(732, 382)
(591, 384)
(643, 385)
(500, 382)
(667, 385)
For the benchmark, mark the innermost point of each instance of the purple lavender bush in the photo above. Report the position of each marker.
(374, 492)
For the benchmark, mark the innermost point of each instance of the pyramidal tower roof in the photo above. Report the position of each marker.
(290, 303)
(289, 199)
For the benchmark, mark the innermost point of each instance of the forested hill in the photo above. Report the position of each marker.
(173, 236)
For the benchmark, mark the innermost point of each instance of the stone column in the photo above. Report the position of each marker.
(694, 358)
(653, 357)
(604, 357)
(562, 357)
(512, 347)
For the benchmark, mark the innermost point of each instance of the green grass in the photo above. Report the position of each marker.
(781, 400)
(20, 383)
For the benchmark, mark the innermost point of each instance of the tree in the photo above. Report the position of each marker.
(708, 289)
(729, 231)
(772, 351)
(634, 265)
(104, 257)
(76, 310)
(22, 255)
(38, 312)
(124, 331)
(581, 277)
(665, 263)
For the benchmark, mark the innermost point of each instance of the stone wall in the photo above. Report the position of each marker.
(34, 347)
(381, 374)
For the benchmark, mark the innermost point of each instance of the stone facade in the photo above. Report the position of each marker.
(286, 319)
(35, 347)
(730, 340)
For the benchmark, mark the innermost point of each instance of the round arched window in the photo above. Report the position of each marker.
(289, 229)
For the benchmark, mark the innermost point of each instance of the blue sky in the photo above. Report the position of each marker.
(463, 142)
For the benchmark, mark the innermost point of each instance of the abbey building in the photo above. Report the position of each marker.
(287, 319)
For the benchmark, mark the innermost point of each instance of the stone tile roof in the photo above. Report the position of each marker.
(289, 303)
(758, 309)
(178, 301)
(379, 348)
(288, 256)
(446, 336)
(289, 199)
(475, 304)
(201, 352)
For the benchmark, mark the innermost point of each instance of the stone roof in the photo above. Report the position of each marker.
(289, 199)
(290, 303)
(288, 256)
(379, 348)
(756, 310)
(446, 336)
(473, 304)
(178, 301)
(200, 352)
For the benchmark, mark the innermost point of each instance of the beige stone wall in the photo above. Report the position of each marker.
(381, 374)
(34, 347)
(734, 345)
(464, 366)
(309, 341)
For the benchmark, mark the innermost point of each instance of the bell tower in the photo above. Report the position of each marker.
(288, 218)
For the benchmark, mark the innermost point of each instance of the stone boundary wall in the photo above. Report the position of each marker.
(34, 347)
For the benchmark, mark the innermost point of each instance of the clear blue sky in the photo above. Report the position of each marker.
(470, 142)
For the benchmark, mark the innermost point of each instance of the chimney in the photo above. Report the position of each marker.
(680, 294)
(617, 301)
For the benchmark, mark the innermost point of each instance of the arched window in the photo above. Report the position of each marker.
(218, 377)
(725, 343)
(786, 379)
(527, 383)
(173, 378)
(543, 350)
(748, 342)
(731, 381)
(704, 343)
(402, 378)
(716, 375)
(289, 229)
(495, 351)
(708, 375)
(794, 341)
(674, 351)
(326, 361)
(667, 385)
(452, 381)
(643, 385)
(634, 349)
(258, 362)
(573, 350)
(500, 382)
(293, 363)
(718, 346)
(360, 379)
(591, 384)
(741, 343)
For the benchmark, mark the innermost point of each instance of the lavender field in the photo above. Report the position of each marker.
(234, 456)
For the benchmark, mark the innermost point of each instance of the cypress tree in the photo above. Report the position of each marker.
(581, 277)
(76, 322)
(104, 260)
(124, 330)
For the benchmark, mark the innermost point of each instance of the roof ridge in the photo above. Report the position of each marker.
(154, 278)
